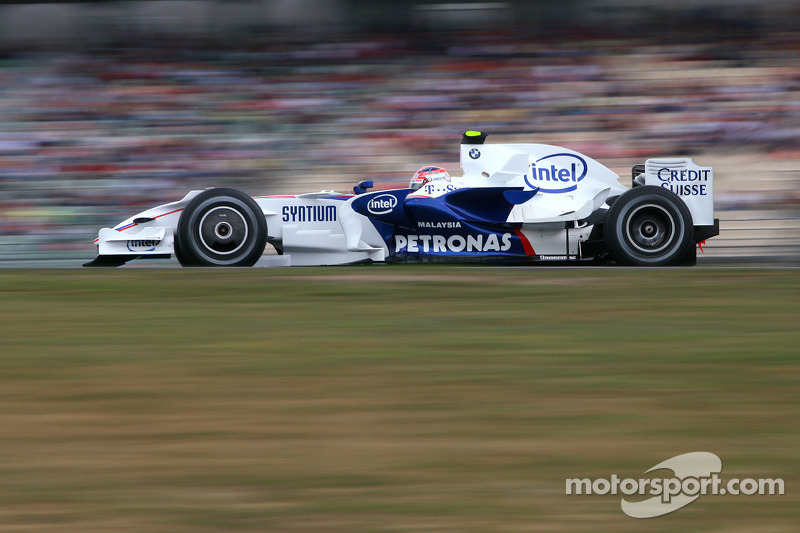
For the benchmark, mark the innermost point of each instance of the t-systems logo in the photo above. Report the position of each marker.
(382, 204)
(557, 173)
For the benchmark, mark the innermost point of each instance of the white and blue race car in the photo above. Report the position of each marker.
(514, 203)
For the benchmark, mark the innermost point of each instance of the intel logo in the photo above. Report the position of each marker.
(143, 245)
(382, 204)
(557, 173)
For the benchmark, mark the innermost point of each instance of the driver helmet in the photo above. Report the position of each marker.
(428, 174)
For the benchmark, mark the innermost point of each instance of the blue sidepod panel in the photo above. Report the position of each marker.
(469, 223)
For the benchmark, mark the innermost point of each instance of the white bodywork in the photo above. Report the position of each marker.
(323, 229)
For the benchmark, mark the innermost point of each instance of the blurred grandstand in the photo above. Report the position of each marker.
(109, 108)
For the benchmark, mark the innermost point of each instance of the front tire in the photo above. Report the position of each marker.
(221, 227)
(649, 226)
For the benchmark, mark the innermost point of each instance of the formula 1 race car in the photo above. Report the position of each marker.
(514, 203)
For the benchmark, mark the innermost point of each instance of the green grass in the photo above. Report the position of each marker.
(390, 398)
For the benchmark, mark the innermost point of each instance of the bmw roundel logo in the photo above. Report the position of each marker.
(474, 153)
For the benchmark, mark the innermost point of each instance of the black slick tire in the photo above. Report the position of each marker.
(649, 226)
(221, 227)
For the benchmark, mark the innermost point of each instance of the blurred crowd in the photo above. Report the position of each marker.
(91, 137)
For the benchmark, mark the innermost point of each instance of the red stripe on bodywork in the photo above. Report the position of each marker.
(165, 214)
(526, 244)
(132, 224)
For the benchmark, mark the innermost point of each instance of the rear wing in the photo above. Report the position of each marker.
(693, 183)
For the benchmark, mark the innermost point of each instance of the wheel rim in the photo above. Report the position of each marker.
(223, 230)
(650, 228)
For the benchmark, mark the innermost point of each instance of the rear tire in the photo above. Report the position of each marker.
(649, 226)
(221, 227)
